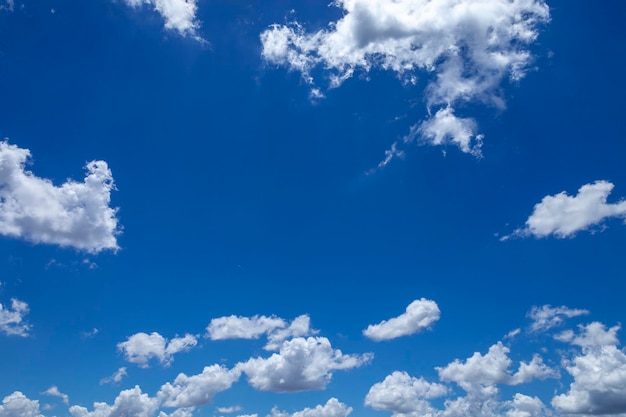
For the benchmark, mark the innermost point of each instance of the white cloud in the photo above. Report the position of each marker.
(420, 314)
(302, 364)
(466, 47)
(237, 327)
(12, 319)
(599, 373)
(18, 405)
(229, 410)
(276, 329)
(53, 391)
(179, 15)
(332, 408)
(403, 394)
(525, 406)
(446, 127)
(141, 347)
(116, 377)
(546, 317)
(130, 402)
(482, 372)
(73, 214)
(196, 390)
(563, 216)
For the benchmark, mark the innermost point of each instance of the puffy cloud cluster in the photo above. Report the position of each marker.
(18, 405)
(301, 364)
(562, 215)
(12, 319)
(332, 408)
(420, 314)
(179, 15)
(467, 48)
(130, 402)
(275, 328)
(73, 214)
(141, 347)
(599, 373)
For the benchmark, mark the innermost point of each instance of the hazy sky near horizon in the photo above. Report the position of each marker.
(400, 208)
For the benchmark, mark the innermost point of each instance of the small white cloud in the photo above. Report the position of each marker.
(563, 216)
(90, 334)
(419, 315)
(465, 48)
(141, 347)
(53, 391)
(275, 328)
(179, 15)
(197, 390)
(18, 405)
(525, 406)
(12, 319)
(302, 364)
(115, 378)
(445, 127)
(546, 317)
(130, 402)
(229, 410)
(73, 214)
(332, 408)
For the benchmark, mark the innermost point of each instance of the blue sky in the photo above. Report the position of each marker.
(292, 209)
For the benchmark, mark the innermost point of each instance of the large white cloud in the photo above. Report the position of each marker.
(12, 319)
(332, 408)
(179, 15)
(420, 314)
(18, 405)
(302, 364)
(562, 215)
(196, 390)
(599, 372)
(467, 48)
(74, 214)
(546, 317)
(141, 347)
(275, 328)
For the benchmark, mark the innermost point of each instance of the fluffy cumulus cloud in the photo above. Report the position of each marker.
(12, 318)
(140, 348)
(562, 215)
(301, 364)
(196, 390)
(179, 15)
(482, 372)
(420, 314)
(465, 48)
(75, 214)
(546, 317)
(403, 394)
(332, 408)
(275, 328)
(130, 402)
(599, 372)
(18, 405)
